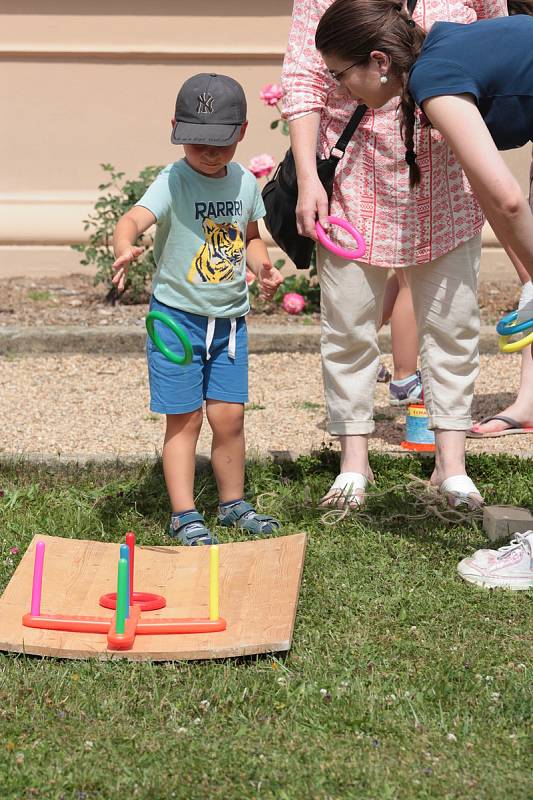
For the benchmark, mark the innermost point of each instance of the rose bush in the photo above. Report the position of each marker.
(261, 166)
(271, 94)
(293, 303)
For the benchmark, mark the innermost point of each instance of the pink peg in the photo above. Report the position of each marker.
(37, 580)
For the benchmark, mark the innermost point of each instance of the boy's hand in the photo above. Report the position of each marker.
(121, 265)
(269, 279)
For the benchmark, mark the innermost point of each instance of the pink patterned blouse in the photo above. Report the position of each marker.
(401, 226)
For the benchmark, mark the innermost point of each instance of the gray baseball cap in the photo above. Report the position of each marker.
(210, 109)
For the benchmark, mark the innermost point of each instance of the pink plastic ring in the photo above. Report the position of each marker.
(324, 239)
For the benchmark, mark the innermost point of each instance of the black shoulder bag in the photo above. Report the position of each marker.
(280, 196)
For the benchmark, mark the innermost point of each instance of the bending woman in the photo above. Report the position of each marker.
(432, 235)
(474, 84)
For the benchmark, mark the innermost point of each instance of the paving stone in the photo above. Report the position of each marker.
(281, 456)
(500, 522)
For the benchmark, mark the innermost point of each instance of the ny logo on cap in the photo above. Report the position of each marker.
(205, 103)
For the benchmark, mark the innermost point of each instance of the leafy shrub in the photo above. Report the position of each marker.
(119, 196)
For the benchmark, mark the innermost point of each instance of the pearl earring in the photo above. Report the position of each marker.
(383, 80)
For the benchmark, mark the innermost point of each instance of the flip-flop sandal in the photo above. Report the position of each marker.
(459, 490)
(342, 492)
(516, 428)
(243, 515)
(190, 529)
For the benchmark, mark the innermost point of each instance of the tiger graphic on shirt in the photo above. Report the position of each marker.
(221, 254)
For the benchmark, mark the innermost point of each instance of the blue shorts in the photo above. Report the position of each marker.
(180, 390)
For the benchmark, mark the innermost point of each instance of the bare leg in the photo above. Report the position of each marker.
(404, 332)
(522, 408)
(179, 451)
(227, 450)
(354, 458)
(389, 298)
(450, 458)
(398, 308)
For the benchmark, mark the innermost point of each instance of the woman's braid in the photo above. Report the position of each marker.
(415, 36)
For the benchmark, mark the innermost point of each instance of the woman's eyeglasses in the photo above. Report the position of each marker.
(338, 75)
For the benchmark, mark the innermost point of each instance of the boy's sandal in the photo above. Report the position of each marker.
(460, 490)
(244, 515)
(190, 529)
(348, 489)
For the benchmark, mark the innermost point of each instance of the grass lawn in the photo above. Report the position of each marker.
(402, 682)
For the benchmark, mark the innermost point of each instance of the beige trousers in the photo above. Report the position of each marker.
(447, 313)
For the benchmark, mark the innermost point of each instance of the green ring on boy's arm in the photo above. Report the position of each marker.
(151, 318)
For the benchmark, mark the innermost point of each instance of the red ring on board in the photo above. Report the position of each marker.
(145, 600)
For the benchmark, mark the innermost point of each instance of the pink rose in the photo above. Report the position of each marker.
(271, 94)
(261, 165)
(293, 303)
(13, 550)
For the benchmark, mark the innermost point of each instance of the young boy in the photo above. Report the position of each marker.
(206, 208)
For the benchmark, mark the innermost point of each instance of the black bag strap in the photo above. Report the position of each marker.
(347, 133)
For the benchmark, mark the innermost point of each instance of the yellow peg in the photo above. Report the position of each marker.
(213, 582)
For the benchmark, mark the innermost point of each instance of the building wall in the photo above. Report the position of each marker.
(87, 83)
(99, 84)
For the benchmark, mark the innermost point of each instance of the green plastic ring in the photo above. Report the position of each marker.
(151, 318)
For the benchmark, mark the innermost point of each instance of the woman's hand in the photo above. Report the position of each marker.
(312, 204)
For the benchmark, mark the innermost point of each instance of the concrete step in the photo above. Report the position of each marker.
(130, 340)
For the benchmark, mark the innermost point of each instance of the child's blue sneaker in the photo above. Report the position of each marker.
(406, 391)
(190, 529)
(242, 515)
(384, 375)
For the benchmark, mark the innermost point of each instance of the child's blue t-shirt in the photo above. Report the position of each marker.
(491, 60)
(200, 241)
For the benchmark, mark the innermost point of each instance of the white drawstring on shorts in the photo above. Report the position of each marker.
(210, 332)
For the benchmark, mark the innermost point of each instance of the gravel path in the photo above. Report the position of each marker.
(98, 406)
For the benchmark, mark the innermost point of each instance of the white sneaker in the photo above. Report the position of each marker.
(509, 567)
